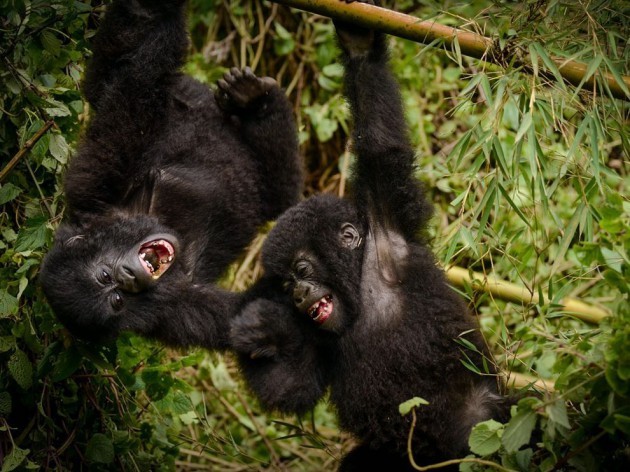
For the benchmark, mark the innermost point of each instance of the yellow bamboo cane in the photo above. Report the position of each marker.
(511, 292)
(470, 44)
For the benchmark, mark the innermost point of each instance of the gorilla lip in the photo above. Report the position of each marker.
(156, 257)
(321, 310)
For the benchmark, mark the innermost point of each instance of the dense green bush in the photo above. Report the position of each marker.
(530, 178)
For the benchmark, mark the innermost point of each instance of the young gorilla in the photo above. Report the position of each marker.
(352, 298)
(169, 185)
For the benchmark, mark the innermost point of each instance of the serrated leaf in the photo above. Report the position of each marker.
(5, 403)
(405, 407)
(557, 412)
(21, 369)
(519, 430)
(6, 343)
(485, 438)
(59, 148)
(8, 304)
(14, 459)
(8, 192)
(50, 42)
(33, 235)
(100, 449)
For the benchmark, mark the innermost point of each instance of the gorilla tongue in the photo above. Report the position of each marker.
(156, 257)
(321, 310)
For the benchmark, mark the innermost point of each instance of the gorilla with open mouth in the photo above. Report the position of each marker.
(169, 185)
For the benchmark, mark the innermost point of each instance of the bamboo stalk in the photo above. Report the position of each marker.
(515, 293)
(470, 44)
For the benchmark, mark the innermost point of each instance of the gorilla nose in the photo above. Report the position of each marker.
(127, 280)
(300, 293)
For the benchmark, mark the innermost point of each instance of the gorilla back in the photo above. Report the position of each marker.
(169, 184)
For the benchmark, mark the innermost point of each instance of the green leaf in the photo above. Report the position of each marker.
(5, 403)
(557, 412)
(14, 459)
(485, 438)
(50, 42)
(405, 407)
(33, 235)
(100, 449)
(6, 343)
(283, 43)
(8, 192)
(58, 147)
(21, 369)
(519, 430)
(67, 363)
(8, 304)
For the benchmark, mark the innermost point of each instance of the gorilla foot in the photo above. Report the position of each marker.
(240, 90)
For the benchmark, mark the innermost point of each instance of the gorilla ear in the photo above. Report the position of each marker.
(349, 236)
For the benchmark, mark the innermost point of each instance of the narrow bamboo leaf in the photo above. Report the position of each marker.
(500, 155)
(567, 237)
(590, 70)
(615, 73)
(595, 152)
(534, 59)
(549, 64)
(513, 205)
(578, 136)
(526, 123)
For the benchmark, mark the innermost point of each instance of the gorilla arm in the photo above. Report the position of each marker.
(384, 183)
(137, 51)
(278, 357)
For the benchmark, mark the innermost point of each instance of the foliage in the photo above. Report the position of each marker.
(529, 175)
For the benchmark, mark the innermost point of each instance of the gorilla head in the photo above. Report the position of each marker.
(319, 265)
(103, 271)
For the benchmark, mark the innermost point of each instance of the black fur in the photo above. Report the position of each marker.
(161, 156)
(392, 332)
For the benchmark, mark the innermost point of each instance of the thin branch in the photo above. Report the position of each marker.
(25, 149)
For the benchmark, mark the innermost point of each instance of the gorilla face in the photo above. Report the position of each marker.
(92, 277)
(312, 285)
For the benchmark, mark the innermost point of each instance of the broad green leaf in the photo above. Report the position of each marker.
(519, 430)
(14, 459)
(100, 449)
(8, 304)
(8, 192)
(33, 235)
(485, 438)
(58, 147)
(21, 369)
(557, 412)
(406, 407)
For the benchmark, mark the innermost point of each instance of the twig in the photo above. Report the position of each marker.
(25, 149)
(441, 465)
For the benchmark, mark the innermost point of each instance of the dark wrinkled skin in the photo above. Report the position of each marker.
(163, 158)
(391, 327)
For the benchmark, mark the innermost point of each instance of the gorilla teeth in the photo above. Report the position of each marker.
(321, 310)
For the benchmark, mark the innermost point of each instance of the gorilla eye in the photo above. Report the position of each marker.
(303, 269)
(105, 277)
(117, 301)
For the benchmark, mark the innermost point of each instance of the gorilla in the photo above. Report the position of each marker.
(352, 299)
(169, 185)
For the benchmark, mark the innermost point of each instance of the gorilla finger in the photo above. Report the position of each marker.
(223, 85)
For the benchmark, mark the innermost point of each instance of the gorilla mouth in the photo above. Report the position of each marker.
(321, 310)
(156, 257)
